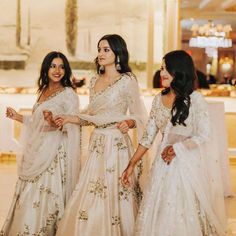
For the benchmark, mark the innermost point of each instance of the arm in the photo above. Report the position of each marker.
(146, 142)
(12, 114)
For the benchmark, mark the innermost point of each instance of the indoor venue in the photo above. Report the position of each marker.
(205, 29)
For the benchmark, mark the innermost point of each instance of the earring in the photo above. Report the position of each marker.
(118, 67)
(101, 70)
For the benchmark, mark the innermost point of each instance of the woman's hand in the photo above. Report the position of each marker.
(11, 113)
(126, 175)
(48, 116)
(61, 120)
(123, 127)
(168, 154)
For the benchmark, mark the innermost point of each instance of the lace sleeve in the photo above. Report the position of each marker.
(151, 129)
(200, 122)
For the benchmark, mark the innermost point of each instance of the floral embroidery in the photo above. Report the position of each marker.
(36, 204)
(110, 169)
(83, 215)
(43, 189)
(98, 188)
(124, 191)
(98, 144)
(120, 144)
(115, 220)
(26, 231)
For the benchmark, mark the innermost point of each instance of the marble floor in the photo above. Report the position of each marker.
(8, 178)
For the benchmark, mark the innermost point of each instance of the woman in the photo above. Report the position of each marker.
(180, 199)
(48, 165)
(100, 205)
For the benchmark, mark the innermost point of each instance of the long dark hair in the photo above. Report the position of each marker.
(180, 66)
(43, 80)
(119, 48)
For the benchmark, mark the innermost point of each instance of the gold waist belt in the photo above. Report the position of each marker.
(104, 126)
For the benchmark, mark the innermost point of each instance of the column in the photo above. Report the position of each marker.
(172, 26)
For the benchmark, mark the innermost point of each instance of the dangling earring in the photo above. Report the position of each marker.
(101, 69)
(118, 67)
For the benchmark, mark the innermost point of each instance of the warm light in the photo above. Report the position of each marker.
(210, 37)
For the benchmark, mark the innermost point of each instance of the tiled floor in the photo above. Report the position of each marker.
(8, 178)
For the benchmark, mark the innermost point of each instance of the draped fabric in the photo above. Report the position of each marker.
(185, 197)
(100, 204)
(48, 167)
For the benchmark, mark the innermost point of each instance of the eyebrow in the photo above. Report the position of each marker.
(56, 64)
(105, 47)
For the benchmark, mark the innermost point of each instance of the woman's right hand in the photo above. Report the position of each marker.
(125, 178)
(61, 120)
(11, 113)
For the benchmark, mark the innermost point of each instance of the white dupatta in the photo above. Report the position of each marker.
(40, 142)
(195, 163)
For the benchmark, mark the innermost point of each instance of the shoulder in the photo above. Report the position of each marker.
(70, 92)
(196, 96)
(129, 76)
(92, 81)
(198, 101)
(157, 99)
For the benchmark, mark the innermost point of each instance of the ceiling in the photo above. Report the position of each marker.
(201, 11)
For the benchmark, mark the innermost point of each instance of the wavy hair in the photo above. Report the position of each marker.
(119, 48)
(180, 66)
(43, 79)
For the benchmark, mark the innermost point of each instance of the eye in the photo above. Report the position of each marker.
(162, 68)
(106, 49)
(62, 67)
(52, 66)
(99, 49)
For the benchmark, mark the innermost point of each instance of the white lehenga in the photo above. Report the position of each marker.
(186, 197)
(47, 170)
(100, 205)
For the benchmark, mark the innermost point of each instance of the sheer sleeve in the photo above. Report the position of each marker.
(200, 123)
(136, 105)
(151, 129)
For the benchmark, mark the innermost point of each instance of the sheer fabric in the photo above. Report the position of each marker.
(100, 205)
(48, 167)
(185, 197)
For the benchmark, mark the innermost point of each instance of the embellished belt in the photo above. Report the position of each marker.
(105, 125)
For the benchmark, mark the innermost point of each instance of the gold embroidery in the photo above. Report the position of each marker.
(110, 169)
(115, 220)
(98, 144)
(36, 204)
(83, 215)
(124, 191)
(98, 188)
(120, 144)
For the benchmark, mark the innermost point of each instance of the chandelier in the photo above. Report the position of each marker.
(211, 37)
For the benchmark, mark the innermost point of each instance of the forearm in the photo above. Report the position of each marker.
(131, 123)
(141, 150)
(18, 117)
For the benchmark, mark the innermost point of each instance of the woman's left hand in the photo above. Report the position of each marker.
(123, 127)
(168, 154)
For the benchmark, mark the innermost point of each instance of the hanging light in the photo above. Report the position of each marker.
(211, 37)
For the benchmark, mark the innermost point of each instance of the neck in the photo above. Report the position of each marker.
(110, 71)
(54, 86)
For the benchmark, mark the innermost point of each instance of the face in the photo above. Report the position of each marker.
(165, 76)
(56, 70)
(105, 55)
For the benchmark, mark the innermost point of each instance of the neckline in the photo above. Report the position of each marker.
(51, 96)
(105, 89)
(162, 104)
